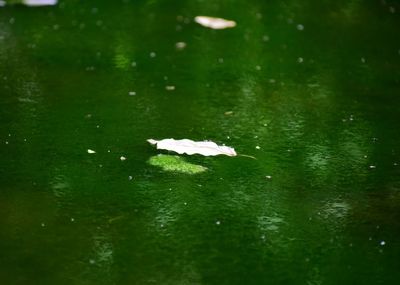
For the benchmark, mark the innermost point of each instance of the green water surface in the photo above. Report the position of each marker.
(309, 88)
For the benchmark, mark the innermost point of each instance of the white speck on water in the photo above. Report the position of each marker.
(370, 238)
(162, 225)
(98, 126)
(265, 38)
(263, 237)
(180, 45)
(185, 203)
(372, 166)
(170, 88)
(132, 93)
(395, 164)
(108, 151)
(24, 140)
(130, 177)
(268, 176)
(217, 223)
(363, 60)
(300, 60)
(258, 147)
(272, 80)
(220, 60)
(42, 225)
(6, 142)
(153, 54)
(100, 165)
(258, 67)
(72, 220)
(133, 64)
(300, 27)
(90, 151)
(92, 261)
(122, 158)
(382, 243)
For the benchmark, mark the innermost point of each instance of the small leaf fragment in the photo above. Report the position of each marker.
(214, 23)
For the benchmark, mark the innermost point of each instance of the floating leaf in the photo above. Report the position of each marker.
(214, 23)
(175, 163)
(206, 148)
(39, 2)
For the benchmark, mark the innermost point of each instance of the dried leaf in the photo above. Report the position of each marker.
(40, 2)
(214, 23)
(206, 148)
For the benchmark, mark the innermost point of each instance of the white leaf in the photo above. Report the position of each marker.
(206, 148)
(39, 2)
(90, 151)
(214, 23)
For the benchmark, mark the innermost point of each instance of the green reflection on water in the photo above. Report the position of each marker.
(175, 164)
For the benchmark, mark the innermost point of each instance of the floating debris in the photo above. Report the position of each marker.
(206, 148)
(37, 3)
(132, 93)
(214, 23)
(268, 176)
(265, 38)
(122, 158)
(170, 88)
(90, 151)
(180, 45)
(300, 27)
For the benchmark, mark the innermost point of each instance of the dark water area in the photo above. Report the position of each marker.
(309, 88)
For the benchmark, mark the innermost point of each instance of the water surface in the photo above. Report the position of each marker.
(309, 88)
